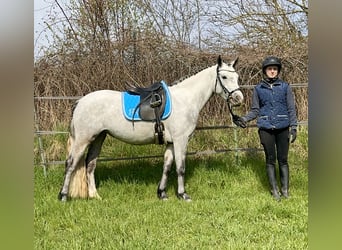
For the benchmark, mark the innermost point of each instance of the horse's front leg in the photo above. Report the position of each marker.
(168, 159)
(180, 154)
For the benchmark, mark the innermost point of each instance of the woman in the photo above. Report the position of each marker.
(274, 107)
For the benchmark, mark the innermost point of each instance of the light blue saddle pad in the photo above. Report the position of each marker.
(130, 102)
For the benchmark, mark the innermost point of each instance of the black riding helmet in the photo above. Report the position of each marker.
(271, 60)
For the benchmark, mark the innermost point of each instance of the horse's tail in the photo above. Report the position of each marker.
(79, 182)
(78, 187)
(69, 144)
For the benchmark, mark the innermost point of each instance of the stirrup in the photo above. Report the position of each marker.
(155, 100)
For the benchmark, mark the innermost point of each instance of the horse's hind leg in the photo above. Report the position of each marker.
(168, 159)
(93, 152)
(75, 156)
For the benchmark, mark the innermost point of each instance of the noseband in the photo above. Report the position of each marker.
(225, 90)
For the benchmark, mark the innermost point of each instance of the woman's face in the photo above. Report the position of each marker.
(271, 71)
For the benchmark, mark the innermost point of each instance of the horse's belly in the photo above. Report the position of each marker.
(137, 134)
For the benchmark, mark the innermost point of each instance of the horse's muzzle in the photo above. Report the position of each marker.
(236, 98)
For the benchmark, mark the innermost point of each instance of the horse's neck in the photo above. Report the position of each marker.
(200, 87)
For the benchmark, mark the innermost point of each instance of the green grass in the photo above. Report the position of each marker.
(231, 207)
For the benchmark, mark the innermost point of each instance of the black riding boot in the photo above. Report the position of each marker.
(272, 181)
(284, 180)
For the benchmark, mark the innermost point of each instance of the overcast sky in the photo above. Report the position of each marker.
(42, 8)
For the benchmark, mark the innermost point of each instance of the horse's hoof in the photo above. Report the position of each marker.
(95, 196)
(164, 198)
(62, 197)
(162, 194)
(98, 197)
(184, 196)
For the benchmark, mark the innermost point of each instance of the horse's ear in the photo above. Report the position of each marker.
(219, 61)
(235, 62)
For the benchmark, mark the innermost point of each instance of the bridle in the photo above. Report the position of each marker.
(225, 90)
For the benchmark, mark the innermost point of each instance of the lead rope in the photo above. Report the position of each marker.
(234, 117)
(235, 133)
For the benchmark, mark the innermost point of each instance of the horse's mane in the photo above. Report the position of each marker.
(187, 76)
(180, 80)
(73, 107)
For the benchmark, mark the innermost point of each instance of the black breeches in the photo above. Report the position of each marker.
(276, 145)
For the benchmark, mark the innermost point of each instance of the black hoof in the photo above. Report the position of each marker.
(62, 197)
(184, 196)
(162, 194)
(275, 195)
(285, 194)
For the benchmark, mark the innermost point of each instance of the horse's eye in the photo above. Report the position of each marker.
(224, 77)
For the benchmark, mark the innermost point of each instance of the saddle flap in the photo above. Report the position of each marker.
(143, 103)
(152, 105)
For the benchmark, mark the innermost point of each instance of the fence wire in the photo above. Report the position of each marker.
(45, 163)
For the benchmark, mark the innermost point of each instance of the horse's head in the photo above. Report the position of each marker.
(227, 82)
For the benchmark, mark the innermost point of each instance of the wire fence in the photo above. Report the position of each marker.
(44, 163)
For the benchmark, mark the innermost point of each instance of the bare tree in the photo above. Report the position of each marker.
(104, 44)
(260, 23)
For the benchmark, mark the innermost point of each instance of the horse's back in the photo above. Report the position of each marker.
(99, 100)
(99, 96)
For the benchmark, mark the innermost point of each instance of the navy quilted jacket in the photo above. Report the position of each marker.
(273, 105)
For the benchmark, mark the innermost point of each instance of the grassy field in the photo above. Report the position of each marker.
(231, 207)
